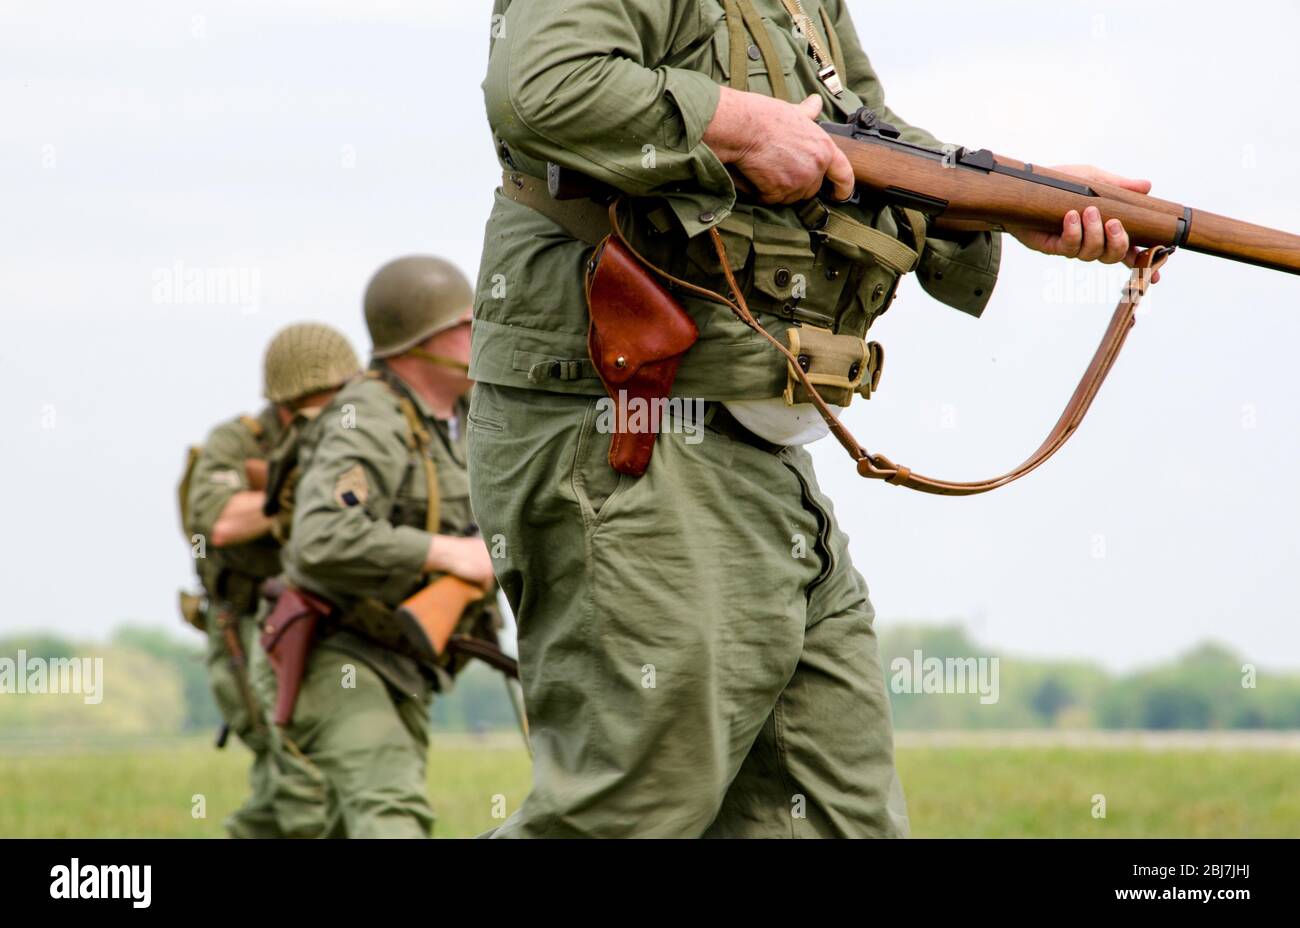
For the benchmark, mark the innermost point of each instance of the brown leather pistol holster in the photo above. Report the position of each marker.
(287, 637)
(639, 332)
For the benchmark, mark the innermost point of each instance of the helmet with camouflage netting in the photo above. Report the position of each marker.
(307, 358)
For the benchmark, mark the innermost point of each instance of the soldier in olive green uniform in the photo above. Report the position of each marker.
(697, 650)
(382, 509)
(223, 510)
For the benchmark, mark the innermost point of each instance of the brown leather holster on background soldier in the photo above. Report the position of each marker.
(287, 637)
(637, 337)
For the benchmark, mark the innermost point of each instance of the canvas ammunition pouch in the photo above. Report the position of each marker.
(193, 611)
(839, 366)
(237, 591)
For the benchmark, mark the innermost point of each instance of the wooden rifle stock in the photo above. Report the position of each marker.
(969, 190)
(429, 618)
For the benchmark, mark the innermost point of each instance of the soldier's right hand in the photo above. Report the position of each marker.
(467, 558)
(778, 146)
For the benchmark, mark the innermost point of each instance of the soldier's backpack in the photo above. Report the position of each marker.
(191, 603)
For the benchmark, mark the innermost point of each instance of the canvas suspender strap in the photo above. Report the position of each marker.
(879, 467)
(886, 249)
(738, 40)
(917, 223)
(439, 359)
(418, 440)
(758, 31)
(254, 427)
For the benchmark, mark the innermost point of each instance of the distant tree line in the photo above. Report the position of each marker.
(156, 685)
(1209, 687)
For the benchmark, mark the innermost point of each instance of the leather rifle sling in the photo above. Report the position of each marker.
(878, 466)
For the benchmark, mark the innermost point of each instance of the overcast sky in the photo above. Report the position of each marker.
(303, 144)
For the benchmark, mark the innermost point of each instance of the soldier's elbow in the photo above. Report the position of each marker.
(531, 104)
(313, 551)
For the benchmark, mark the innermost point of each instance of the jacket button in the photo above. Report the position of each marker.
(854, 369)
(877, 293)
(782, 277)
(832, 273)
(754, 53)
(804, 363)
(708, 216)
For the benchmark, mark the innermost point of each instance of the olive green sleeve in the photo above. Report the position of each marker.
(218, 475)
(342, 544)
(957, 270)
(584, 84)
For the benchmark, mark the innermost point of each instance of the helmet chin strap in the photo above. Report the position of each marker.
(440, 360)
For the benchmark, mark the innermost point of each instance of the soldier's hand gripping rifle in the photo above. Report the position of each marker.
(972, 190)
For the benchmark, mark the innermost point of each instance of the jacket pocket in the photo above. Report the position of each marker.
(757, 75)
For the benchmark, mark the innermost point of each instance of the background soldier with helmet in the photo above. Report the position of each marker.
(380, 510)
(222, 500)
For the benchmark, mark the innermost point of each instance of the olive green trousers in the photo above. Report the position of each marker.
(256, 818)
(352, 760)
(696, 649)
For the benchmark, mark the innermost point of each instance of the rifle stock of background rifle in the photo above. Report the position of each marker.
(971, 190)
(429, 617)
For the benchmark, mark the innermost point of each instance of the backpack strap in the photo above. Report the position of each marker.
(192, 455)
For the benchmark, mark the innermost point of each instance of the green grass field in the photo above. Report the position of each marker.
(999, 791)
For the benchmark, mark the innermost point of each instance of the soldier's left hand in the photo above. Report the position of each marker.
(1085, 237)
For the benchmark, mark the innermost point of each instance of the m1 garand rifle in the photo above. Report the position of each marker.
(978, 190)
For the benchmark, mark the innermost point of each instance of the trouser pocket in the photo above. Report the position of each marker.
(594, 481)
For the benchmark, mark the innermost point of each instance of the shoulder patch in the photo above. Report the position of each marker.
(227, 478)
(351, 488)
